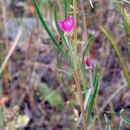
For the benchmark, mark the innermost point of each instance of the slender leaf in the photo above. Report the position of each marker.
(122, 62)
(93, 96)
(107, 122)
(124, 117)
(54, 41)
(86, 102)
(65, 4)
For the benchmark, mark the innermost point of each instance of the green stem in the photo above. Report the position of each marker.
(76, 67)
(122, 62)
(75, 26)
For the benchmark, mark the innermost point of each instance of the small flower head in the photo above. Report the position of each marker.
(66, 25)
(87, 63)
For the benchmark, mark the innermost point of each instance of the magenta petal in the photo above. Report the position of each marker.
(60, 24)
(66, 25)
(87, 62)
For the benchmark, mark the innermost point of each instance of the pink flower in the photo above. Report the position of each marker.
(66, 25)
(87, 63)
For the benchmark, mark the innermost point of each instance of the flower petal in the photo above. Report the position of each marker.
(66, 25)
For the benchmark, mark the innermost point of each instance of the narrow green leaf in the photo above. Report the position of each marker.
(54, 41)
(65, 4)
(122, 62)
(86, 102)
(124, 117)
(107, 122)
(93, 96)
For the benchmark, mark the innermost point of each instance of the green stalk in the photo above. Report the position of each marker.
(122, 62)
(76, 68)
(75, 26)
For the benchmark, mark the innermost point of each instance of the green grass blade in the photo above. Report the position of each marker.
(107, 122)
(54, 41)
(124, 117)
(86, 48)
(86, 101)
(122, 62)
(65, 4)
(93, 96)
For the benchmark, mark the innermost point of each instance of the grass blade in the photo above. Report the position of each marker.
(91, 103)
(54, 41)
(107, 122)
(122, 62)
(86, 101)
(65, 4)
(124, 117)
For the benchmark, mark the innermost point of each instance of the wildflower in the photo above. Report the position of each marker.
(87, 63)
(66, 25)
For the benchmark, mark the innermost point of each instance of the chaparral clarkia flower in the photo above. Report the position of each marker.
(66, 25)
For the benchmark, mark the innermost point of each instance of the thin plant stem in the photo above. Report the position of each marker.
(76, 72)
(81, 100)
(75, 26)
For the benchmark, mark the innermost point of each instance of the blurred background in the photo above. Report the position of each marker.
(37, 91)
